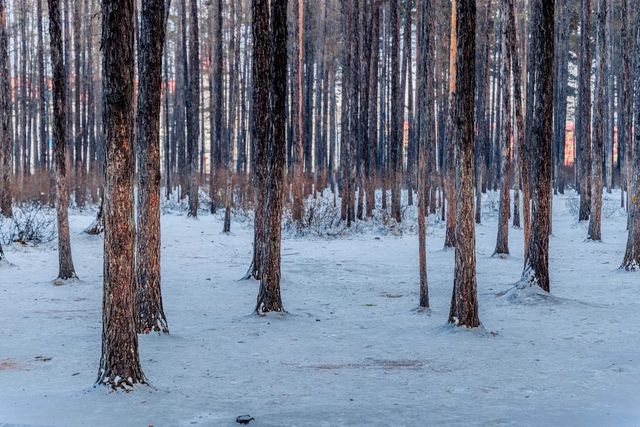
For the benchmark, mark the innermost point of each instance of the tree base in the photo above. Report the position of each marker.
(61, 281)
(527, 292)
(117, 383)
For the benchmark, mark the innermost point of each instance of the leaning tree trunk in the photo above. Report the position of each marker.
(464, 300)
(6, 128)
(595, 219)
(269, 294)
(536, 269)
(120, 363)
(149, 312)
(631, 260)
(66, 270)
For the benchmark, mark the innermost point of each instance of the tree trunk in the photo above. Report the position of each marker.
(193, 107)
(149, 312)
(397, 127)
(631, 260)
(66, 269)
(450, 139)
(536, 270)
(269, 299)
(502, 243)
(583, 122)
(260, 125)
(119, 364)
(298, 111)
(464, 300)
(6, 126)
(595, 219)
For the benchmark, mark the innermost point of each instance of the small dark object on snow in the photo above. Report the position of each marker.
(244, 419)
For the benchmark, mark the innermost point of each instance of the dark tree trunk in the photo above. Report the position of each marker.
(397, 101)
(523, 150)
(119, 364)
(217, 99)
(149, 313)
(372, 138)
(66, 270)
(193, 107)
(449, 179)
(595, 219)
(631, 260)
(502, 241)
(269, 299)
(426, 119)
(464, 300)
(298, 113)
(6, 126)
(77, 117)
(536, 269)
(260, 125)
(583, 122)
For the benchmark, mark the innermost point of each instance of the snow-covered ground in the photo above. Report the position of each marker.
(353, 349)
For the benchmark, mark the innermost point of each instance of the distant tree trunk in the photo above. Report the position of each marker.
(260, 70)
(120, 363)
(502, 242)
(583, 122)
(269, 294)
(397, 118)
(536, 269)
(372, 148)
(215, 162)
(193, 107)
(626, 98)
(6, 127)
(299, 112)
(595, 219)
(149, 312)
(451, 138)
(42, 102)
(77, 117)
(631, 260)
(233, 128)
(464, 300)
(66, 270)
(523, 150)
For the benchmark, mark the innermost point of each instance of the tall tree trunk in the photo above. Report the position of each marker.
(464, 300)
(149, 312)
(397, 101)
(260, 70)
(631, 260)
(6, 126)
(595, 219)
(583, 122)
(269, 299)
(66, 269)
(450, 138)
(120, 363)
(426, 136)
(536, 269)
(502, 242)
(299, 112)
(193, 107)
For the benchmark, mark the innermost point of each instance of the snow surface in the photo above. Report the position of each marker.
(352, 350)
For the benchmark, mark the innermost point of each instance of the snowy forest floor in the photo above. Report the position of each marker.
(352, 350)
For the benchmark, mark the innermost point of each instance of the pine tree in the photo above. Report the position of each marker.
(66, 269)
(464, 300)
(6, 127)
(149, 312)
(119, 363)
